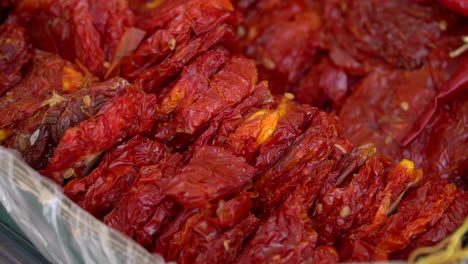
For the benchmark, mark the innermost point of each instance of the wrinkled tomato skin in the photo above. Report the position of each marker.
(15, 52)
(243, 131)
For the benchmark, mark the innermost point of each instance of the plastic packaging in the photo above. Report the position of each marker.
(62, 231)
(14, 249)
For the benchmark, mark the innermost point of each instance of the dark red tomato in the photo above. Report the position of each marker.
(144, 197)
(122, 117)
(211, 174)
(14, 53)
(49, 75)
(47, 127)
(101, 190)
(234, 82)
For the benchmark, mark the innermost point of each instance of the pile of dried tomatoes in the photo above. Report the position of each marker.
(217, 131)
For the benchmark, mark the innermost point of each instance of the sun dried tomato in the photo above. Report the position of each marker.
(347, 207)
(188, 122)
(163, 243)
(384, 105)
(154, 50)
(211, 174)
(240, 174)
(233, 211)
(362, 35)
(37, 137)
(409, 221)
(129, 42)
(286, 235)
(400, 179)
(47, 25)
(5, 5)
(110, 18)
(293, 124)
(229, 86)
(64, 27)
(163, 213)
(146, 194)
(341, 207)
(267, 33)
(314, 145)
(86, 30)
(14, 53)
(101, 190)
(187, 18)
(154, 78)
(324, 85)
(257, 129)
(448, 223)
(216, 132)
(325, 255)
(228, 245)
(207, 230)
(193, 81)
(385, 115)
(314, 172)
(398, 231)
(203, 13)
(121, 117)
(49, 74)
(230, 119)
(87, 39)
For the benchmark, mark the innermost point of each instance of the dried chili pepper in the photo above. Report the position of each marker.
(456, 85)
